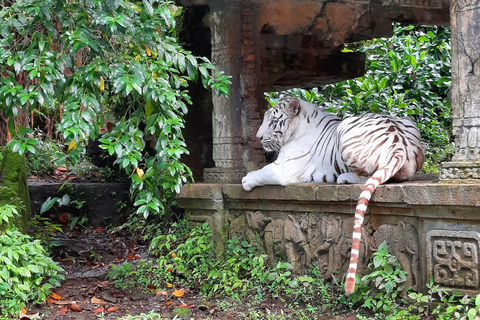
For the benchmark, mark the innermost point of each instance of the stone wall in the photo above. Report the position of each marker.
(433, 228)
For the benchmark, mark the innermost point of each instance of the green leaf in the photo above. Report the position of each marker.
(48, 204)
(472, 313)
(477, 300)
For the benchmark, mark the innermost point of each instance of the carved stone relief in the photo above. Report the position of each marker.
(402, 241)
(324, 240)
(452, 258)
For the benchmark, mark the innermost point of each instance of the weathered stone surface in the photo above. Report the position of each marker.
(465, 91)
(13, 185)
(432, 227)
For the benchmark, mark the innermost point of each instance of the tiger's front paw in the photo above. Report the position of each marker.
(247, 182)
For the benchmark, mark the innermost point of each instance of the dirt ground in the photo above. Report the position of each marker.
(86, 257)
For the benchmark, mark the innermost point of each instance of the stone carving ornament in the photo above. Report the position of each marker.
(324, 240)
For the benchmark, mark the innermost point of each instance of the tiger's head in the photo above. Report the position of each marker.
(278, 124)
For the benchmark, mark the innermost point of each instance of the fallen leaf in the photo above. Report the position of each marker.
(164, 293)
(62, 169)
(99, 230)
(112, 309)
(50, 300)
(25, 316)
(75, 307)
(103, 284)
(117, 295)
(101, 309)
(62, 311)
(97, 301)
(55, 296)
(184, 305)
(169, 284)
(64, 302)
(133, 256)
(151, 288)
(24, 310)
(178, 293)
(64, 217)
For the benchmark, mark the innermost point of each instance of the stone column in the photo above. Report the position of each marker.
(232, 126)
(465, 22)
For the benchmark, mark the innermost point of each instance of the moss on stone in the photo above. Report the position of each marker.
(13, 185)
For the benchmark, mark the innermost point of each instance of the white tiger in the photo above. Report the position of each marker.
(315, 145)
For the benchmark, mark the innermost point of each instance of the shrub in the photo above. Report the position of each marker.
(27, 273)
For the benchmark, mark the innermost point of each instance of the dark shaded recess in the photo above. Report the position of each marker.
(195, 36)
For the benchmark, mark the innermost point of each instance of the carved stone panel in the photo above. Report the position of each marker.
(324, 240)
(452, 259)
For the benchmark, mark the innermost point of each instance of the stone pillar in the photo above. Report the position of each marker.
(232, 127)
(465, 22)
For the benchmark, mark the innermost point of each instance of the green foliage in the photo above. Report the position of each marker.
(7, 213)
(407, 75)
(89, 59)
(187, 257)
(379, 290)
(454, 307)
(43, 229)
(192, 259)
(26, 271)
(45, 158)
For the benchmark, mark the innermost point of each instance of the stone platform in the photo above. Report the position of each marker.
(432, 226)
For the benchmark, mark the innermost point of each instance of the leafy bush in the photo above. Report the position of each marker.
(407, 75)
(27, 273)
(379, 290)
(91, 59)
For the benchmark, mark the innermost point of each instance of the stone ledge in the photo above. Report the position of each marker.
(423, 190)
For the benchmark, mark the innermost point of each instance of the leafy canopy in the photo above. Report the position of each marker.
(90, 59)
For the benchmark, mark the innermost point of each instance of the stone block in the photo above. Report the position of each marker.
(103, 203)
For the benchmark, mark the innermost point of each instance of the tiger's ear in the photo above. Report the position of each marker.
(293, 108)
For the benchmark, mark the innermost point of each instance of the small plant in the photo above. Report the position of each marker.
(379, 289)
(119, 274)
(44, 230)
(27, 273)
(465, 308)
(65, 201)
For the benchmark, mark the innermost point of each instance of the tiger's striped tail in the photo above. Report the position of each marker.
(379, 177)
